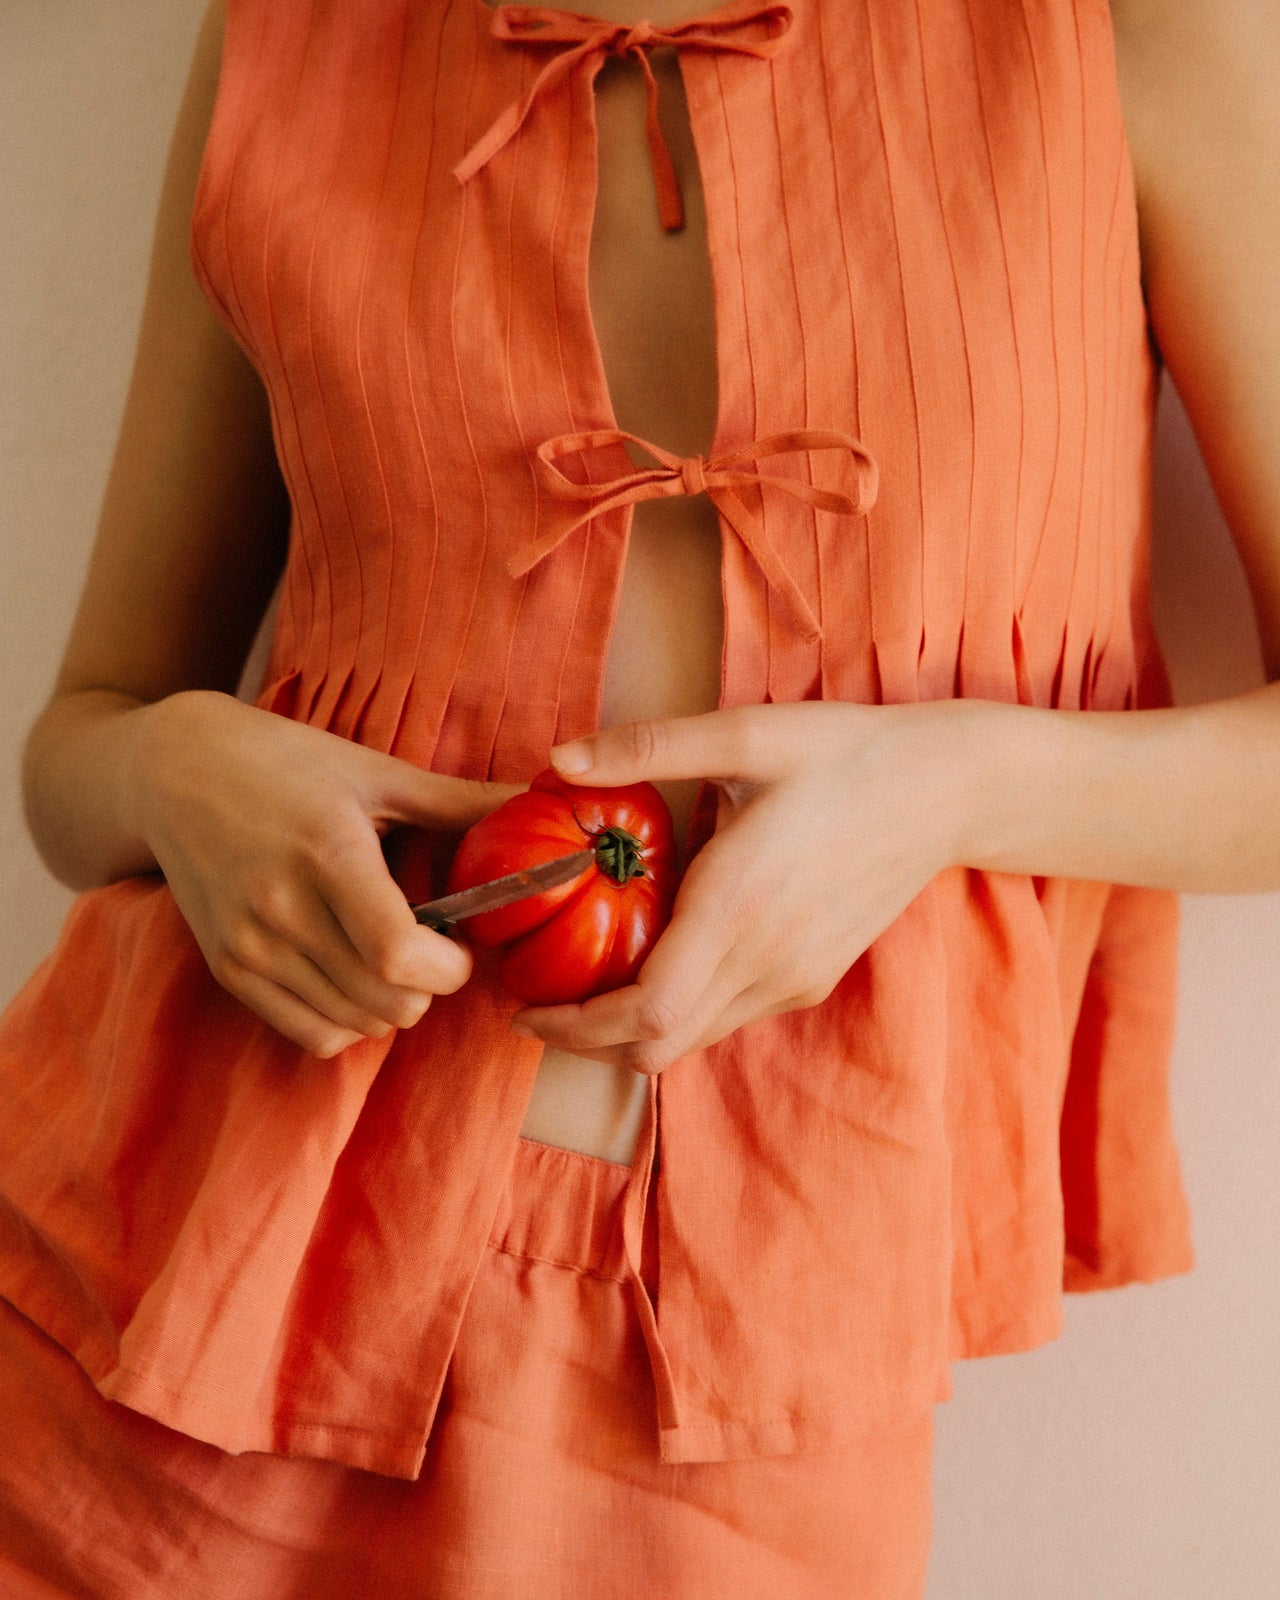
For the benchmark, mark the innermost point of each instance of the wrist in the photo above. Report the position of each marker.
(983, 748)
(156, 751)
(82, 796)
(1056, 791)
(1020, 770)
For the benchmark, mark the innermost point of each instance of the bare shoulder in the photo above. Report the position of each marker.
(193, 527)
(1200, 64)
(1170, 19)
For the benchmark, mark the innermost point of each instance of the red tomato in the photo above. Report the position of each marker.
(591, 934)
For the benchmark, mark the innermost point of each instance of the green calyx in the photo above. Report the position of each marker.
(618, 854)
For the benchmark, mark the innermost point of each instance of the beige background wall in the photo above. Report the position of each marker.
(1136, 1459)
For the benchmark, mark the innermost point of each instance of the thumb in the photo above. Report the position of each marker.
(718, 745)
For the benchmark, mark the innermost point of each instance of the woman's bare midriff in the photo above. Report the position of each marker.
(653, 312)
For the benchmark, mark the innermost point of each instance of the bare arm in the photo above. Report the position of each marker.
(1186, 798)
(189, 546)
(268, 831)
(1198, 79)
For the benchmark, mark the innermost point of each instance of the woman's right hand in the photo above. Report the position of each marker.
(268, 832)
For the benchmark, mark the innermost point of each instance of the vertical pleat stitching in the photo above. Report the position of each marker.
(303, 705)
(466, 603)
(748, 346)
(1103, 521)
(805, 517)
(717, 68)
(490, 736)
(1013, 320)
(1137, 590)
(334, 711)
(1119, 390)
(1019, 599)
(1094, 309)
(326, 693)
(964, 334)
(408, 662)
(1142, 351)
(388, 564)
(1067, 631)
(831, 146)
(911, 368)
(429, 709)
(1092, 527)
(1127, 520)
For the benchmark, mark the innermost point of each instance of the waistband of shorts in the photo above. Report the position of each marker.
(565, 1208)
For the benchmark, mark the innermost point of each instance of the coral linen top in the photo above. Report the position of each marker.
(931, 467)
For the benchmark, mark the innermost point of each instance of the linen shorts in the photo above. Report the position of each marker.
(541, 1477)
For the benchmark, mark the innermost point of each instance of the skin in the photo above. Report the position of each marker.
(143, 757)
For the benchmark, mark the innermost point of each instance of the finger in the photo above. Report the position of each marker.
(399, 791)
(566, 1028)
(683, 965)
(719, 745)
(326, 945)
(625, 1028)
(749, 982)
(374, 915)
(284, 963)
(709, 1027)
(284, 1011)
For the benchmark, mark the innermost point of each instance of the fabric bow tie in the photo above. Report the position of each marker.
(719, 476)
(745, 26)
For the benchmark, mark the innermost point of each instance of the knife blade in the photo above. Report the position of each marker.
(441, 914)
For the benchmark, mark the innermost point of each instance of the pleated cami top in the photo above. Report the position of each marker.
(931, 465)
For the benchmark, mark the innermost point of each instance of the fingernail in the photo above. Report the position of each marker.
(525, 1033)
(571, 758)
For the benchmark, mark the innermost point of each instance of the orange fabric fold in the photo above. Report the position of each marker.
(541, 1479)
(718, 476)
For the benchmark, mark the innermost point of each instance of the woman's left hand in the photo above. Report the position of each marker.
(838, 814)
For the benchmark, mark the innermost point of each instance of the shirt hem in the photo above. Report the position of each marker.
(714, 1440)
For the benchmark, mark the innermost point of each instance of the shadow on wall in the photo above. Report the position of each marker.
(1201, 602)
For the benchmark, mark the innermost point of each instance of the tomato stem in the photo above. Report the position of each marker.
(618, 854)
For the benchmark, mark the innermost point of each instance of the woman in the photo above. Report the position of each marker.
(266, 825)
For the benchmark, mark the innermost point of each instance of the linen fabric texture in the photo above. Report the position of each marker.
(923, 236)
(540, 1477)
